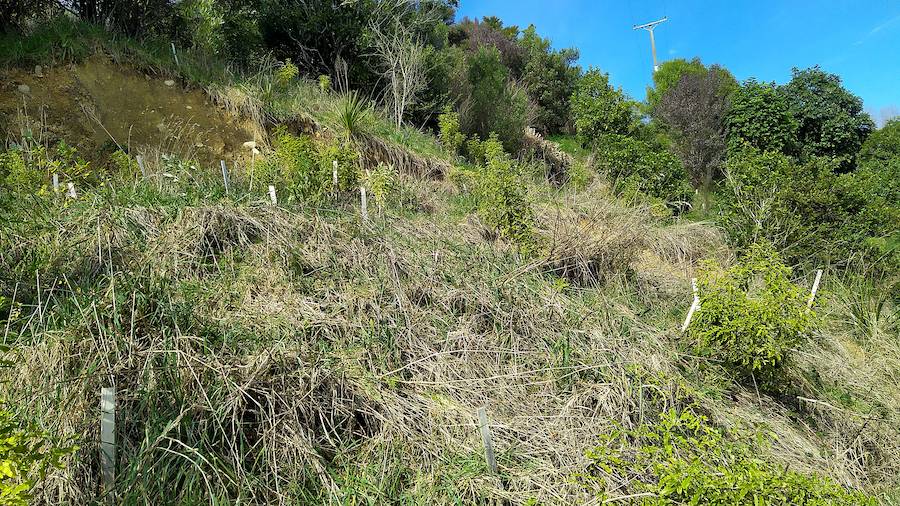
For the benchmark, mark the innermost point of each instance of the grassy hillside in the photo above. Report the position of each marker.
(296, 353)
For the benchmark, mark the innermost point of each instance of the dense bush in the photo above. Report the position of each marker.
(490, 102)
(883, 145)
(598, 109)
(751, 315)
(808, 211)
(635, 165)
(683, 459)
(831, 120)
(549, 77)
(759, 116)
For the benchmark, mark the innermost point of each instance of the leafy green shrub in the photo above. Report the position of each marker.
(324, 83)
(15, 175)
(809, 212)
(451, 137)
(30, 169)
(682, 459)
(205, 19)
(882, 145)
(751, 315)
(758, 115)
(382, 183)
(347, 158)
(502, 201)
(24, 453)
(637, 166)
(598, 109)
(124, 164)
(831, 120)
(305, 166)
(286, 72)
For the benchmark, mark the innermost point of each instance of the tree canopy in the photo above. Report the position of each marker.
(831, 121)
(759, 116)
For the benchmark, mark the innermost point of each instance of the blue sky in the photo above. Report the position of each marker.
(858, 40)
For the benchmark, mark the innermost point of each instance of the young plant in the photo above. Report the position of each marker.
(382, 183)
(502, 202)
(353, 115)
(24, 454)
(751, 316)
(451, 137)
(286, 73)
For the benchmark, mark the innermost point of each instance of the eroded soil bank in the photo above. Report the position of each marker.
(101, 106)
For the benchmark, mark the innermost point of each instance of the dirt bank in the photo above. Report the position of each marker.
(97, 105)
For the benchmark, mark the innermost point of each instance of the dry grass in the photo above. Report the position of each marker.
(284, 355)
(255, 349)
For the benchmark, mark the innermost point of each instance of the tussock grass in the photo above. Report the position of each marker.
(275, 355)
(285, 354)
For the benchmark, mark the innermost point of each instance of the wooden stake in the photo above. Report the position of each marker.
(174, 54)
(363, 203)
(225, 175)
(334, 178)
(72, 192)
(140, 162)
(108, 438)
(55, 182)
(272, 195)
(486, 438)
(815, 288)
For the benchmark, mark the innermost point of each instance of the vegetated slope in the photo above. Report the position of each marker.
(297, 353)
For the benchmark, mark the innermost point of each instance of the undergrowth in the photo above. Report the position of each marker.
(683, 459)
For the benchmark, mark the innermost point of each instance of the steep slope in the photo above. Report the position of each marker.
(297, 353)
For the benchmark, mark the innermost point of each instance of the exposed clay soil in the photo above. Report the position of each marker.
(97, 105)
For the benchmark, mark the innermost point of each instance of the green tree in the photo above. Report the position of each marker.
(830, 118)
(668, 74)
(549, 77)
(671, 72)
(694, 111)
(598, 109)
(489, 102)
(883, 145)
(759, 116)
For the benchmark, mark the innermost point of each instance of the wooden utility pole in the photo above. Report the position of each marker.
(649, 27)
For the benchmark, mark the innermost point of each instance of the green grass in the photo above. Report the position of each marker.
(571, 145)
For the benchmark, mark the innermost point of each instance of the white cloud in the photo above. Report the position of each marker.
(874, 31)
